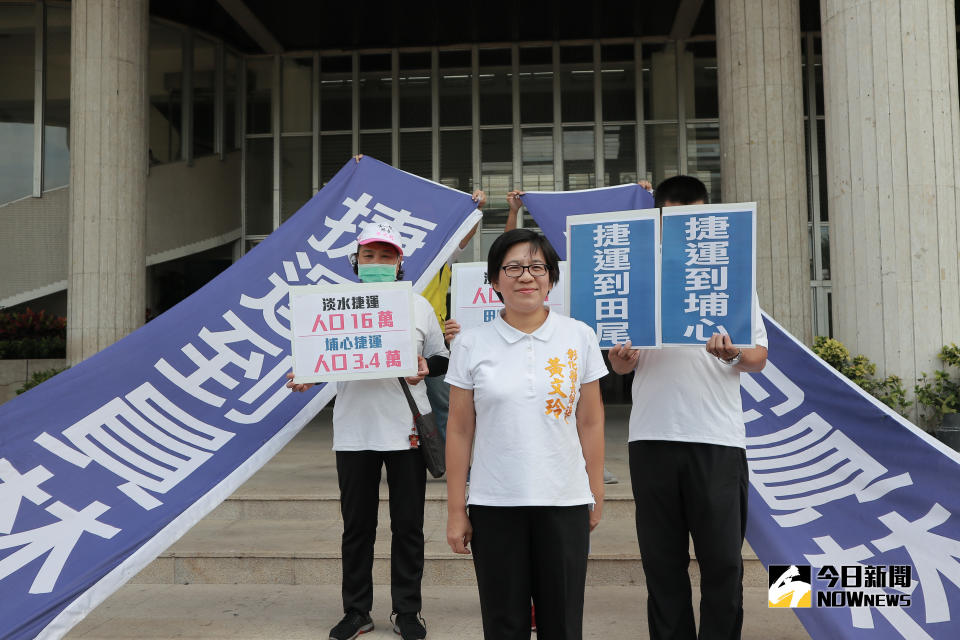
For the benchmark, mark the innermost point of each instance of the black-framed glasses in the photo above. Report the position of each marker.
(516, 270)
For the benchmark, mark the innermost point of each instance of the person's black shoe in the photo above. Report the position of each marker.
(410, 626)
(353, 624)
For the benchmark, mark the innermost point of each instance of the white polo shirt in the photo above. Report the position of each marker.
(526, 389)
(687, 395)
(373, 415)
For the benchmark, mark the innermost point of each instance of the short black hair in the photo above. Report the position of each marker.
(503, 244)
(680, 190)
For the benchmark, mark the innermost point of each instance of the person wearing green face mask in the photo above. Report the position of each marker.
(372, 425)
(379, 254)
(376, 272)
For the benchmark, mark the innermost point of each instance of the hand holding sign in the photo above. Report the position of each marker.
(422, 371)
(293, 386)
(480, 198)
(720, 346)
(623, 358)
(450, 330)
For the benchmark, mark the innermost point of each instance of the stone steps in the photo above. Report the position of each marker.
(317, 507)
(255, 551)
(266, 564)
(283, 527)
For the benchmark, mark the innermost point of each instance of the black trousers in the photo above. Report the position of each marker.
(521, 553)
(684, 489)
(358, 473)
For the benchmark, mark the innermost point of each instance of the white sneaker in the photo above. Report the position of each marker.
(609, 478)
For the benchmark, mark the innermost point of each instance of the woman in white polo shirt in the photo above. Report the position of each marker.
(372, 425)
(525, 397)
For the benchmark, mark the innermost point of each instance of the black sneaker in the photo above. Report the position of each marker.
(410, 626)
(353, 624)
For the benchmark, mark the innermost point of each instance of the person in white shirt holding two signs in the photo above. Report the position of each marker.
(372, 428)
(688, 467)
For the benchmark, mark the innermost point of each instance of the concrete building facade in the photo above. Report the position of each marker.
(149, 144)
(893, 166)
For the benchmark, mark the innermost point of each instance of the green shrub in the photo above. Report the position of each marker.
(939, 394)
(890, 390)
(38, 377)
(950, 355)
(25, 348)
(831, 351)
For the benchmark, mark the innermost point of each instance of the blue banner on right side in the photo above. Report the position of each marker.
(851, 500)
(851, 506)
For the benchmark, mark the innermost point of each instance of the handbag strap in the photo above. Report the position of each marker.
(410, 400)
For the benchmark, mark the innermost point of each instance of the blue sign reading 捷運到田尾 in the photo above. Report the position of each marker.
(708, 273)
(614, 266)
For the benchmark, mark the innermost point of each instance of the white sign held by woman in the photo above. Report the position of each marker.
(474, 302)
(352, 331)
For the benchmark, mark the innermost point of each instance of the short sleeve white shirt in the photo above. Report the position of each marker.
(373, 415)
(526, 389)
(687, 395)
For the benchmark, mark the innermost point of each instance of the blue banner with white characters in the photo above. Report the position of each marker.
(859, 505)
(108, 463)
(853, 510)
(550, 209)
(708, 273)
(614, 286)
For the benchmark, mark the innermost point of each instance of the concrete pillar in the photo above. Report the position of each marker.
(893, 153)
(762, 146)
(108, 173)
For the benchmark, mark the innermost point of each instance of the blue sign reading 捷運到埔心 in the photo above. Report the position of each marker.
(708, 273)
(614, 266)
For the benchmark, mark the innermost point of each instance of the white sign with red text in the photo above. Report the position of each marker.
(474, 302)
(352, 331)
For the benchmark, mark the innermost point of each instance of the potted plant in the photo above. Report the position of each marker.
(940, 395)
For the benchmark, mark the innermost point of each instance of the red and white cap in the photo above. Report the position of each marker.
(380, 232)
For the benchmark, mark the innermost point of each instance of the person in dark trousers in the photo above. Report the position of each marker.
(372, 428)
(525, 399)
(688, 467)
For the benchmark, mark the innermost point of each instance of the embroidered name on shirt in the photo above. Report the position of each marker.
(558, 402)
(572, 368)
(555, 406)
